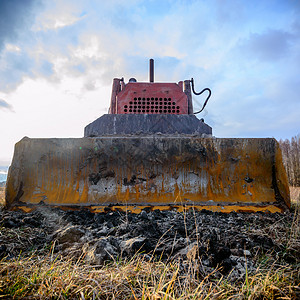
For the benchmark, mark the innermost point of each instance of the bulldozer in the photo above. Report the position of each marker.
(149, 151)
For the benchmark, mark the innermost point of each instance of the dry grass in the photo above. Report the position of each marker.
(295, 194)
(2, 196)
(60, 278)
(49, 276)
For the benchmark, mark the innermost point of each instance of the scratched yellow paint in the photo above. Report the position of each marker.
(57, 172)
(180, 208)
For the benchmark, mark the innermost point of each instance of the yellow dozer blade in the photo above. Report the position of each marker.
(159, 172)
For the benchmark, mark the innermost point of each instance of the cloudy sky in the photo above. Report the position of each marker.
(58, 59)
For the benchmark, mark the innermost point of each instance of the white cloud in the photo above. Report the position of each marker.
(57, 71)
(58, 14)
(12, 48)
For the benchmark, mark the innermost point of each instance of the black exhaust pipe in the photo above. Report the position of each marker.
(151, 70)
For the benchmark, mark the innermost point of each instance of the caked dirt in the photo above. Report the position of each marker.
(231, 241)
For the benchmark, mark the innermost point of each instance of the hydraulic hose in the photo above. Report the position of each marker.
(209, 94)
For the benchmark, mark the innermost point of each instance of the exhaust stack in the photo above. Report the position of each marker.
(151, 70)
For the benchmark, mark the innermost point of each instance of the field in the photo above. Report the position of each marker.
(2, 193)
(155, 255)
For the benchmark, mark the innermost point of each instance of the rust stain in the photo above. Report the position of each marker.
(180, 208)
(163, 171)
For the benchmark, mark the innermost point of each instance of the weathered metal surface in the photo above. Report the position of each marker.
(116, 87)
(152, 98)
(157, 171)
(188, 92)
(146, 124)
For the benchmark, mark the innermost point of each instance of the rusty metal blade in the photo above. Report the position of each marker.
(149, 171)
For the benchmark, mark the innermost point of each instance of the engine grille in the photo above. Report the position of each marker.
(141, 105)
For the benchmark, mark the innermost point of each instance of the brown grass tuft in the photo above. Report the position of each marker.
(47, 276)
(62, 278)
(2, 196)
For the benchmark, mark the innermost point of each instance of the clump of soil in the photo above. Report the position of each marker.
(228, 241)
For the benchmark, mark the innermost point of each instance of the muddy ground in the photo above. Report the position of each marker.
(229, 241)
